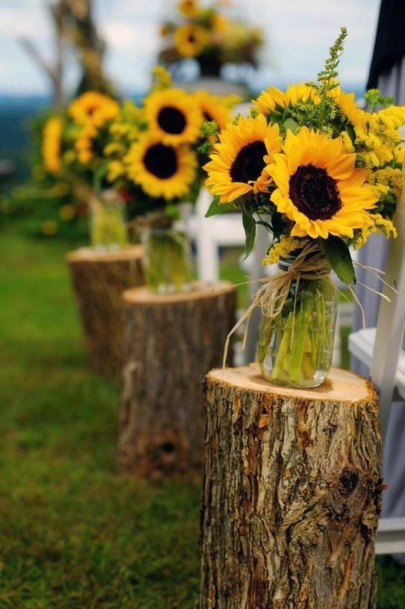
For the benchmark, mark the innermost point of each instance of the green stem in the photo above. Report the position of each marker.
(301, 326)
(283, 349)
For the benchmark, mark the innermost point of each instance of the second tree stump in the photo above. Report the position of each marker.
(98, 279)
(170, 343)
(292, 493)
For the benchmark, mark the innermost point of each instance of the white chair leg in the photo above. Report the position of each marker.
(207, 249)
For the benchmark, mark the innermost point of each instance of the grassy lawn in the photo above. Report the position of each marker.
(73, 534)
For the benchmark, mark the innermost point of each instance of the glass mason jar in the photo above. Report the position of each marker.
(107, 221)
(167, 257)
(295, 348)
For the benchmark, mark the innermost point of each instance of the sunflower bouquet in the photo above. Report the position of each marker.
(153, 159)
(320, 175)
(210, 36)
(89, 118)
(73, 149)
(48, 195)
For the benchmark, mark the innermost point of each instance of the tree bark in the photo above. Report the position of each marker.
(292, 493)
(99, 279)
(170, 343)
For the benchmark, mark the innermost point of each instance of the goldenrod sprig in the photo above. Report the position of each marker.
(161, 79)
(327, 78)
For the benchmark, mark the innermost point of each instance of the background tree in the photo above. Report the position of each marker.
(89, 47)
(74, 30)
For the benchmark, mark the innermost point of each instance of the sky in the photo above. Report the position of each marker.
(298, 34)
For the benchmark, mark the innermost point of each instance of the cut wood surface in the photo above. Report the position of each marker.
(170, 342)
(292, 493)
(99, 279)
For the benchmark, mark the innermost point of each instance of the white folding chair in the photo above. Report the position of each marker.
(381, 349)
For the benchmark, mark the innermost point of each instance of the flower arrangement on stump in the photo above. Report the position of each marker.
(130, 161)
(73, 147)
(153, 159)
(321, 175)
(210, 37)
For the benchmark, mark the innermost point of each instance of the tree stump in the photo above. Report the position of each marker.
(170, 342)
(98, 279)
(292, 493)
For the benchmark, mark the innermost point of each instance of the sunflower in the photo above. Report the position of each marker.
(273, 98)
(220, 24)
(348, 107)
(52, 144)
(319, 187)
(93, 107)
(161, 170)
(173, 115)
(84, 143)
(237, 163)
(295, 94)
(188, 8)
(191, 39)
(213, 108)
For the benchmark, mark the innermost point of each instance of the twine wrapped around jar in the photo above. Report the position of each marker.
(309, 264)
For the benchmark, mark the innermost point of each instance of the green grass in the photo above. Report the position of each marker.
(74, 534)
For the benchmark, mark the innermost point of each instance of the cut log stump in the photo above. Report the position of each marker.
(170, 342)
(99, 279)
(292, 492)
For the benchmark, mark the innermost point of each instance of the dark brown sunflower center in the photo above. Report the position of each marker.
(249, 162)
(161, 161)
(191, 38)
(172, 120)
(207, 116)
(314, 192)
(91, 110)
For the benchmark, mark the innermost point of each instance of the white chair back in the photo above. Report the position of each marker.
(391, 320)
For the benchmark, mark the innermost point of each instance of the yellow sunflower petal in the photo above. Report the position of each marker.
(213, 108)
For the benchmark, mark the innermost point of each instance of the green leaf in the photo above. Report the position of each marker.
(249, 224)
(100, 175)
(291, 124)
(266, 225)
(352, 134)
(277, 225)
(338, 255)
(218, 208)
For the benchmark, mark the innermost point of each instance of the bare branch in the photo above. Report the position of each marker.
(34, 53)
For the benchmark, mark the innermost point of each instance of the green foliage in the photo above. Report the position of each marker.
(218, 208)
(209, 129)
(338, 255)
(291, 124)
(249, 224)
(328, 76)
(324, 116)
(375, 98)
(45, 202)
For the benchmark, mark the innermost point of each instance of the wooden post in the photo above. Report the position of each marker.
(170, 343)
(292, 493)
(98, 279)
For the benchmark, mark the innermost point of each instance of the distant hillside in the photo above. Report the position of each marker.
(15, 113)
